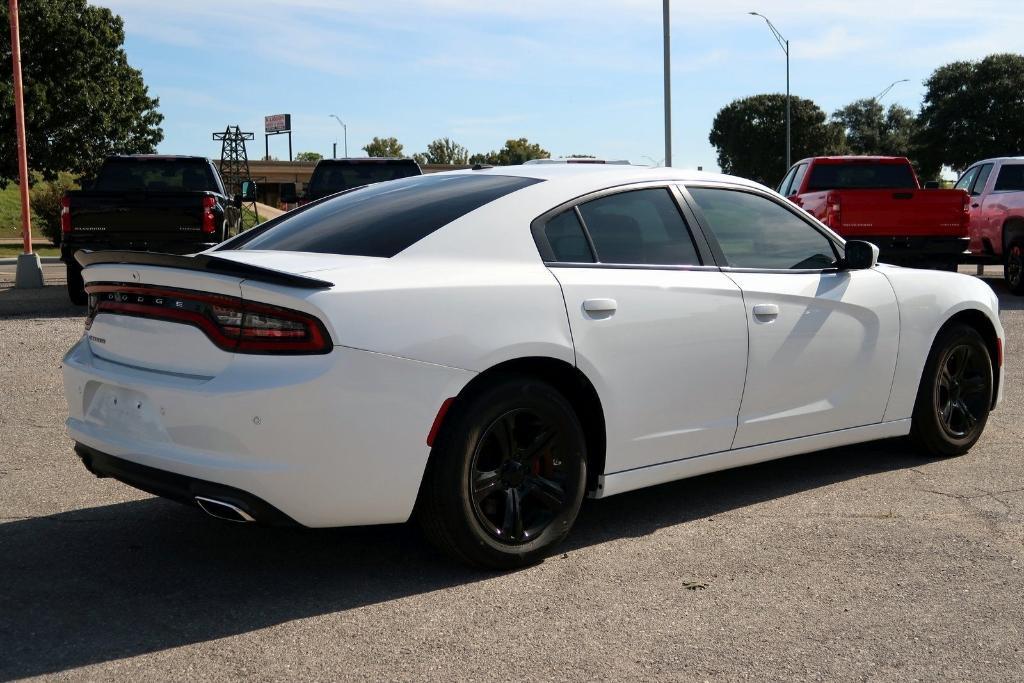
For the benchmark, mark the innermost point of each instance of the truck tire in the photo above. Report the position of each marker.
(76, 285)
(1013, 267)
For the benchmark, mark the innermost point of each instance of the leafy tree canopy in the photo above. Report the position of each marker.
(972, 111)
(871, 129)
(383, 147)
(309, 156)
(514, 152)
(750, 135)
(446, 151)
(83, 101)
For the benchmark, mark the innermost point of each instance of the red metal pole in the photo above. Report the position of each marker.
(19, 115)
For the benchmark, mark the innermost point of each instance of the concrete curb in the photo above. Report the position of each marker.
(14, 261)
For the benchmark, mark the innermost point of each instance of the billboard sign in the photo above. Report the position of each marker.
(277, 123)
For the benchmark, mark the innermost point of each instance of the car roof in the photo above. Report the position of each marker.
(607, 175)
(367, 160)
(995, 159)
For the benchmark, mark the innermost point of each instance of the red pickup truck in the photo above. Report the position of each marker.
(879, 199)
(997, 215)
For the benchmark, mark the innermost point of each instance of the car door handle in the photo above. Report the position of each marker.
(600, 305)
(975, 205)
(766, 311)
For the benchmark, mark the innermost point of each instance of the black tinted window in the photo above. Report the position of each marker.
(329, 178)
(639, 227)
(1011, 177)
(755, 232)
(979, 185)
(861, 175)
(154, 175)
(384, 219)
(566, 239)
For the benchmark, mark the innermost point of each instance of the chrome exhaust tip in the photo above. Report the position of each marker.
(222, 510)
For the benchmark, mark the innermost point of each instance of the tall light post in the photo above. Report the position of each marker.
(879, 96)
(784, 44)
(344, 130)
(668, 82)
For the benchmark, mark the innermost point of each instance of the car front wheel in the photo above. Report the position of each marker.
(955, 395)
(507, 476)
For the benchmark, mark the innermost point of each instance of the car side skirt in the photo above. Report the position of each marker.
(629, 480)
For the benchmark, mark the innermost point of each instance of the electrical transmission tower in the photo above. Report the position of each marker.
(234, 163)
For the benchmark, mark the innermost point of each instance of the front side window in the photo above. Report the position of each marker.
(383, 219)
(1011, 177)
(966, 179)
(979, 183)
(755, 232)
(798, 179)
(787, 182)
(642, 227)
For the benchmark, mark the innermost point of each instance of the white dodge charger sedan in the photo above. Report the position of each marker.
(481, 349)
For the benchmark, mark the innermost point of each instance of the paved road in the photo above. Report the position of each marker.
(857, 563)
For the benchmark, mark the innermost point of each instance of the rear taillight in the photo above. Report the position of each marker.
(965, 215)
(65, 215)
(232, 324)
(208, 218)
(833, 211)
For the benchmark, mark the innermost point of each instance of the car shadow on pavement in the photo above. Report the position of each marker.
(45, 302)
(116, 581)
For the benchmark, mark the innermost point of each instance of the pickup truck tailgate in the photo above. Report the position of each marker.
(137, 213)
(867, 213)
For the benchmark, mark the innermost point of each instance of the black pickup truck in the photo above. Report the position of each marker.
(171, 204)
(334, 175)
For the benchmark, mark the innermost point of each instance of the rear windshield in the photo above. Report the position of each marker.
(861, 176)
(154, 175)
(384, 219)
(329, 178)
(1011, 177)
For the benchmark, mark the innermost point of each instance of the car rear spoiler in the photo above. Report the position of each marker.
(200, 262)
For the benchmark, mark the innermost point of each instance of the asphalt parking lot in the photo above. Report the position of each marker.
(856, 563)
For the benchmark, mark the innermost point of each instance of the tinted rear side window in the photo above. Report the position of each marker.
(641, 227)
(861, 176)
(384, 219)
(565, 236)
(154, 175)
(1011, 177)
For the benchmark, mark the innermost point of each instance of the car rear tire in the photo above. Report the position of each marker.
(507, 475)
(1013, 267)
(955, 395)
(76, 285)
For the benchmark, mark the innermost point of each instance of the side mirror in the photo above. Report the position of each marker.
(860, 255)
(248, 191)
(931, 185)
(288, 195)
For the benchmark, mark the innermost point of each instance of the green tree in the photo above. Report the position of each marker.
(445, 151)
(971, 111)
(309, 156)
(83, 101)
(871, 129)
(45, 200)
(383, 147)
(515, 151)
(750, 135)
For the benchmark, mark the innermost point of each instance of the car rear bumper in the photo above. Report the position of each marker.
(331, 440)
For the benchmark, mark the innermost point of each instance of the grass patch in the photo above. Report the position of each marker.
(12, 250)
(10, 212)
(249, 219)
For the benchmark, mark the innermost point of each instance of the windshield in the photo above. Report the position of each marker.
(329, 178)
(383, 219)
(154, 175)
(861, 176)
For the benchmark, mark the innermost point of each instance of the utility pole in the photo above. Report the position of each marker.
(344, 131)
(29, 271)
(668, 82)
(784, 44)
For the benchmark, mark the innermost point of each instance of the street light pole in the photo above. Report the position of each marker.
(784, 44)
(668, 82)
(879, 96)
(344, 131)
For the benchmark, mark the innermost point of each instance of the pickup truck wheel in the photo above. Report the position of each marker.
(76, 285)
(1013, 269)
(955, 395)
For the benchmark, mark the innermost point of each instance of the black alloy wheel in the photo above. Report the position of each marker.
(519, 478)
(507, 474)
(955, 395)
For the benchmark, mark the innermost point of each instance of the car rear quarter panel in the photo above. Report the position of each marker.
(927, 300)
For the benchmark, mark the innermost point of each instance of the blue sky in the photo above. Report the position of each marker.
(576, 76)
